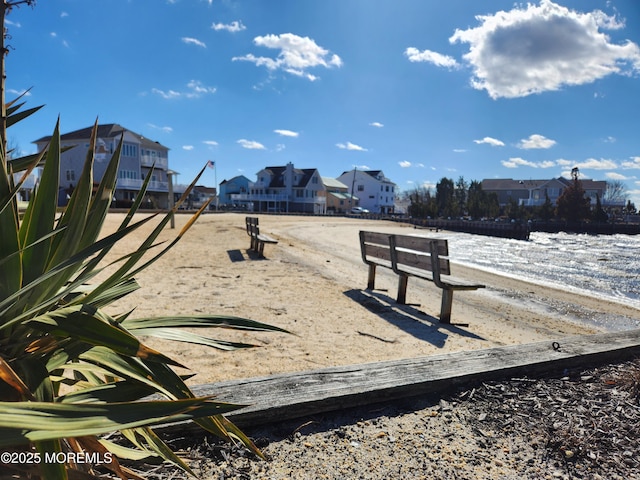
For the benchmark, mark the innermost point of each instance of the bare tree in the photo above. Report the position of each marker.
(616, 191)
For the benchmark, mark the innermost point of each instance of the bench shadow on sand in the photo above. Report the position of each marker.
(408, 318)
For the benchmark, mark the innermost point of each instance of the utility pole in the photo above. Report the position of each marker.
(353, 186)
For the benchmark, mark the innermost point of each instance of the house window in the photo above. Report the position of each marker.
(129, 150)
(314, 180)
(129, 174)
(361, 188)
(71, 176)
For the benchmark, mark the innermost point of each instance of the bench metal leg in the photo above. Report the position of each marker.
(447, 302)
(402, 289)
(371, 281)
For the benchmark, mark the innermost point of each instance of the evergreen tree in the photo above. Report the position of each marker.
(444, 197)
(599, 215)
(573, 205)
(546, 211)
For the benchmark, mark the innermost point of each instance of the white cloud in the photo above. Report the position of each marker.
(351, 146)
(164, 129)
(538, 48)
(597, 164)
(211, 143)
(428, 56)
(536, 141)
(494, 142)
(615, 176)
(286, 133)
(633, 163)
(24, 93)
(376, 124)
(251, 144)
(233, 27)
(195, 89)
(521, 162)
(166, 94)
(404, 164)
(297, 55)
(193, 41)
(188, 148)
(459, 150)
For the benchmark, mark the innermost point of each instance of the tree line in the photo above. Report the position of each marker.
(468, 199)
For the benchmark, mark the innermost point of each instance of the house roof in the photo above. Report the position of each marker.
(376, 174)
(511, 184)
(109, 130)
(333, 183)
(234, 179)
(277, 176)
(342, 196)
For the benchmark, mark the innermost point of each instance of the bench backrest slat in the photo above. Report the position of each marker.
(415, 252)
(252, 226)
(376, 238)
(375, 245)
(421, 244)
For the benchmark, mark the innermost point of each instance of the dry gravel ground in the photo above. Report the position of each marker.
(581, 425)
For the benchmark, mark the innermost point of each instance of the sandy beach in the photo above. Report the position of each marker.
(312, 283)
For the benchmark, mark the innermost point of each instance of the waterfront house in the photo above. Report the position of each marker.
(139, 155)
(375, 191)
(235, 186)
(533, 193)
(285, 189)
(339, 200)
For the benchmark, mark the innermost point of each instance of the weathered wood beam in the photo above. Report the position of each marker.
(286, 396)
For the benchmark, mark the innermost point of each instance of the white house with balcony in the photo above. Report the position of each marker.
(375, 191)
(285, 189)
(139, 155)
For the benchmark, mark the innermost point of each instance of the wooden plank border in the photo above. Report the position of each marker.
(287, 396)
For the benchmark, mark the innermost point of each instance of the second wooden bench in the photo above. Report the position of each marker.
(408, 255)
(257, 239)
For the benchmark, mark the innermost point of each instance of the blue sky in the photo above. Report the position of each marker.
(419, 89)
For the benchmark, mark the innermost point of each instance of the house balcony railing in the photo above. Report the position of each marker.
(248, 197)
(148, 161)
(134, 184)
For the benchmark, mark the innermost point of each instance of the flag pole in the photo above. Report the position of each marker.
(215, 179)
(212, 164)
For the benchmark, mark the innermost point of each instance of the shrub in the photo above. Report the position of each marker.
(69, 372)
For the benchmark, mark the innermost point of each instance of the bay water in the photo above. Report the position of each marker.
(601, 266)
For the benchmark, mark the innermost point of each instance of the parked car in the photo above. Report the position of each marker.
(359, 210)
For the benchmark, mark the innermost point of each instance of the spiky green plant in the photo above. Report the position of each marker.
(69, 372)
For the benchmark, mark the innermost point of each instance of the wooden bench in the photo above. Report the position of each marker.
(257, 239)
(421, 257)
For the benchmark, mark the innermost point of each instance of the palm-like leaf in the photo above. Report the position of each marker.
(54, 333)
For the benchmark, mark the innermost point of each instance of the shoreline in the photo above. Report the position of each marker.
(312, 284)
